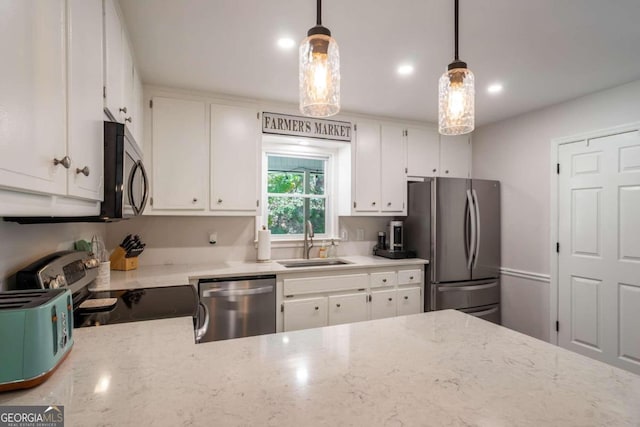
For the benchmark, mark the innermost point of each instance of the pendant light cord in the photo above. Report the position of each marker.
(319, 12)
(456, 29)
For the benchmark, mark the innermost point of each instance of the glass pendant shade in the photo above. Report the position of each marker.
(456, 109)
(319, 76)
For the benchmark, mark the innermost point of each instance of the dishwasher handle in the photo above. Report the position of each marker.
(202, 330)
(222, 292)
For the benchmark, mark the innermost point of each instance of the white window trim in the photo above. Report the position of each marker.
(330, 194)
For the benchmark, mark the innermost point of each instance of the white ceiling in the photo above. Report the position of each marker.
(542, 51)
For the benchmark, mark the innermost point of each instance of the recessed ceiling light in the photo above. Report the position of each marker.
(286, 43)
(494, 88)
(405, 69)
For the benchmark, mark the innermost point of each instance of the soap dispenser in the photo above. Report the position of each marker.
(333, 249)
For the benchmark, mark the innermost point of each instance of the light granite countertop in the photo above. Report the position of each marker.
(440, 368)
(169, 275)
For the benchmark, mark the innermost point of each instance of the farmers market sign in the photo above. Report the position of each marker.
(283, 124)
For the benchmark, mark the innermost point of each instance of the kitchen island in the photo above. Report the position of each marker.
(433, 369)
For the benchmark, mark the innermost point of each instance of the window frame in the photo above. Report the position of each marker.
(328, 155)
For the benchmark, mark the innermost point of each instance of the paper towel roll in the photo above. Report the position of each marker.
(264, 245)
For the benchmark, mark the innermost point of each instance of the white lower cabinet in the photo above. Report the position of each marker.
(347, 308)
(383, 304)
(305, 313)
(408, 301)
(311, 300)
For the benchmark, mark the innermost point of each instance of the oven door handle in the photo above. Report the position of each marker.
(221, 292)
(202, 330)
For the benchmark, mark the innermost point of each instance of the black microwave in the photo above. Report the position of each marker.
(126, 184)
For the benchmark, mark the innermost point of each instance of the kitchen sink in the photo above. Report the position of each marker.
(298, 263)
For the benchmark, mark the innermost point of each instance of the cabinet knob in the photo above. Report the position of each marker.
(410, 277)
(384, 280)
(390, 299)
(219, 201)
(195, 200)
(446, 171)
(65, 162)
(317, 308)
(373, 203)
(435, 170)
(389, 204)
(123, 110)
(129, 119)
(338, 305)
(84, 171)
(406, 297)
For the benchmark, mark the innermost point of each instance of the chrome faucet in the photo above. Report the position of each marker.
(308, 239)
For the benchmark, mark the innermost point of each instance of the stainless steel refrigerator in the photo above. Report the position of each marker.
(455, 224)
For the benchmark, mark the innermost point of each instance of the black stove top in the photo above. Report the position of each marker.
(140, 304)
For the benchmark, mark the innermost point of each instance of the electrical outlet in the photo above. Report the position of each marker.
(344, 234)
(213, 238)
(359, 234)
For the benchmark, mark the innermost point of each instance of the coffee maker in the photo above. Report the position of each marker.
(396, 235)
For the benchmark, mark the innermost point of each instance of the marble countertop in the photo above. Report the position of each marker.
(169, 275)
(431, 369)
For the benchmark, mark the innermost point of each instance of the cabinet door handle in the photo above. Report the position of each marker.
(390, 299)
(317, 308)
(338, 305)
(129, 119)
(123, 110)
(219, 201)
(389, 204)
(410, 277)
(406, 297)
(434, 170)
(195, 200)
(373, 203)
(65, 162)
(384, 280)
(446, 171)
(84, 171)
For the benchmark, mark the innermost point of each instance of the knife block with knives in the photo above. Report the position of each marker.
(125, 256)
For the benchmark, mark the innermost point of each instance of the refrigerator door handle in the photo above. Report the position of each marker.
(476, 252)
(472, 215)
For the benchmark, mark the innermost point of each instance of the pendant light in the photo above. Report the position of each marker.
(456, 94)
(319, 71)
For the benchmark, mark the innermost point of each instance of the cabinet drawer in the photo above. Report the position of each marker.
(389, 278)
(383, 304)
(408, 277)
(408, 301)
(347, 308)
(305, 313)
(467, 294)
(310, 285)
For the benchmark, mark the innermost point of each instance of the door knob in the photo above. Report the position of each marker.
(84, 171)
(65, 162)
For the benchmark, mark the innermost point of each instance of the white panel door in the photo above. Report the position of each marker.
(85, 103)
(113, 61)
(383, 304)
(455, 156)
(367, 167)
(33, 95)
(235, 150)
(347, 308)
(305, 313)
(393, 183)
(180, 154)
(599, 260)
(423, 152)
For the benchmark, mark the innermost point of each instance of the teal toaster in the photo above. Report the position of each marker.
(36, 331)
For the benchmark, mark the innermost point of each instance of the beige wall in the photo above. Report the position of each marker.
(22, 244)
(517, 152)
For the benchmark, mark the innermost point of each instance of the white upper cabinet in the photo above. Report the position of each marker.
(180, 155)
(393, 184)
(85, 131)
(423, 151)
(114, 43)
(235, 153)
(33, 96)
(366, 164)
(138, 108)
(455, 156)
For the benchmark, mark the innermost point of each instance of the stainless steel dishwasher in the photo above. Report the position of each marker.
(236, 307)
